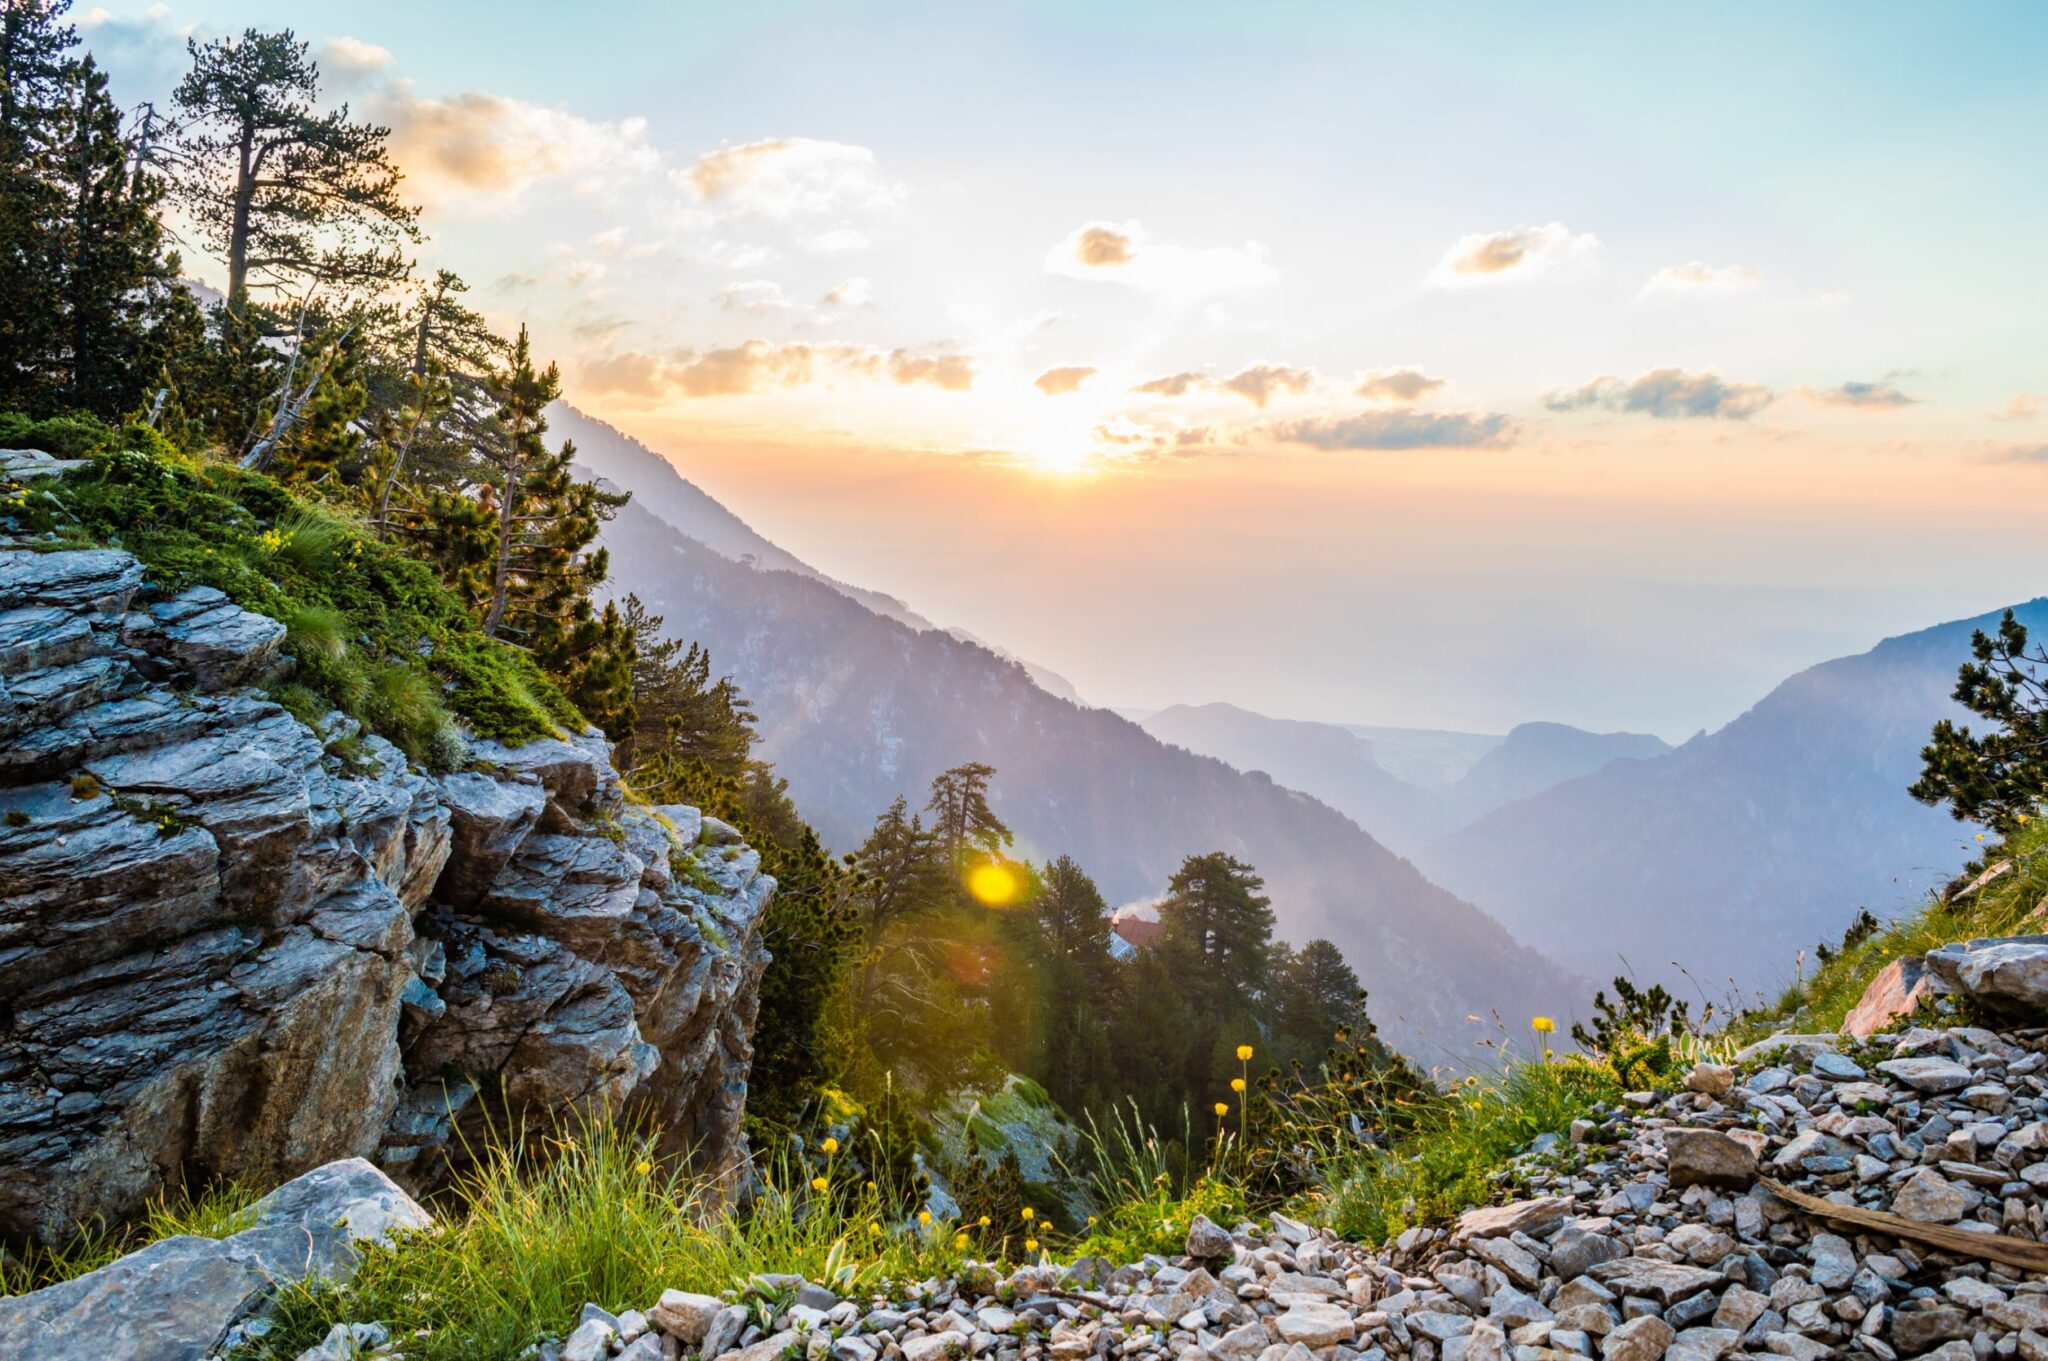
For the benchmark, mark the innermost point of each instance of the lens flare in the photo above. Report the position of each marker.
(993, 884)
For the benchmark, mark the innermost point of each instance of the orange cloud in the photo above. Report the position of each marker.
(1522, 251)
(764, 366)
(1402, 384)
(1054, 382)
(1258, 382)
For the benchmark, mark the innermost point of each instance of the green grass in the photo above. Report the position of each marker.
(373, 631)
(216, 1212)
(543, 1226)
(1447, 1160)
(1821, 1002)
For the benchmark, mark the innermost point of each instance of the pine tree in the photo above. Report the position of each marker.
(1219, 927)
(117, 287)
(34, 48)
(2000, 778)
(325, 439)
(286, 195)
(961, 817)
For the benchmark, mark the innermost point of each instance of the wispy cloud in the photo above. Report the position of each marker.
(2024, 406)
(1667, 394)
(1172, 385)
(757, 297)
(765, 366)
(1257, 383)
(855, 292)
(1056, 382)
(1122, 252)
(1880, 396)
(1399, 430)
(1699, 280)
(1400, 384)
(350, 62)
(1519, 253)
(792, 177)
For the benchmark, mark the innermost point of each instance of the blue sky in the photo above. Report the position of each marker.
(1664, 351)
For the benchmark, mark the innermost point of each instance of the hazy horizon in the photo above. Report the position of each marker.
(1362, 365)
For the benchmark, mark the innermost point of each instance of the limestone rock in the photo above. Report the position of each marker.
(229, 953)
(1707, 1157)
(176, 1299)
(2008, 975)
(1897, 991)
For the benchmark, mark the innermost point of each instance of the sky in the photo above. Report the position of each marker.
(1450, 366)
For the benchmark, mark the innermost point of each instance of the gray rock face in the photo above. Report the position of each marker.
(229, 953)
(2010, 974)
(177, 1299)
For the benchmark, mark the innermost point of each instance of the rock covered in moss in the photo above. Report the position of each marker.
(235, 947)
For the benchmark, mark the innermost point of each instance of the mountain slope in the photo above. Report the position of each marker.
(1535, 756)
(1739, 848)
(1325, 760)
(856, 709)
(624, 461)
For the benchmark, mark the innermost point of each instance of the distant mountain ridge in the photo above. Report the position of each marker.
(1729, 854)
(1343, 767)
(857, 707)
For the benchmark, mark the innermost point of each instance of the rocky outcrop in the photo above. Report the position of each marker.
(234, 947)
(183, 1299)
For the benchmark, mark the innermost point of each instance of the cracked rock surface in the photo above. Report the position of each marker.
(234, 947)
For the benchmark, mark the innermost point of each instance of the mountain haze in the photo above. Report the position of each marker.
(1736, 850)
(857, 708)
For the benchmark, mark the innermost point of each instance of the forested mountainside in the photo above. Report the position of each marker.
(1345, 769)
(1731, 853)
(856, 709)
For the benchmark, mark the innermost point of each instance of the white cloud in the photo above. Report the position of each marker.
(1696, 279)
(1520, 253)
(757, 297)
(480, 151)
(755, 366)
(351, 61)
(838, 240)
(791, 177)
(1122, 252)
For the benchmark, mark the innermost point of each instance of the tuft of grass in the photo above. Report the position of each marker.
(316, 631)
(374, 631)
(213, 1212)
(1448, 1161)
(541, 1226)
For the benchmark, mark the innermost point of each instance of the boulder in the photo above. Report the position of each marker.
(1707, 1157)
(2008, 974)
(177, 1299)
(1896, 993)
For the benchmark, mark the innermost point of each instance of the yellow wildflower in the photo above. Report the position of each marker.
(1244, 1053)
(1542, 1025)
(643, 1167)
(874, 1229)
(924, 1217)
(1031, 1245)
(819, 1184)
(1237, 1084)
(831, 1145)
(983, 1221)
(1030, 1213)
(1222, 1108)
(960, 1242)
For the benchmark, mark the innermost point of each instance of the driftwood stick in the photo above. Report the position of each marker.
(2023, 1253)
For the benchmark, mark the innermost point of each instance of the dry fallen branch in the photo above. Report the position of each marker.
(2020, 1252)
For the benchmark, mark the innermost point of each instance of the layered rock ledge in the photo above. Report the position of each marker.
(233, 947)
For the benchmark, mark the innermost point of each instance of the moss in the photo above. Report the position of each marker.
(373, 631)
(84, 786)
